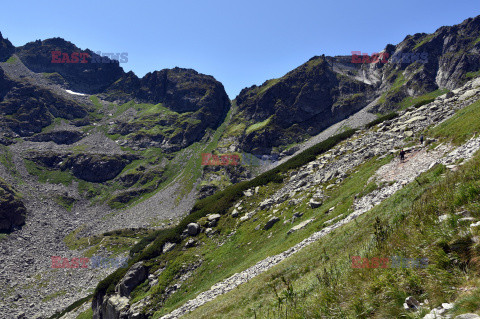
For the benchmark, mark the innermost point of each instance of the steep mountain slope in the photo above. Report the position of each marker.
(230, 235)
(27, 109)
(304, 101)
(6, 48)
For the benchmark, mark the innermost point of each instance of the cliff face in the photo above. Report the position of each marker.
(303, 102)
(180, 90)
(195, 102)
(450, 58)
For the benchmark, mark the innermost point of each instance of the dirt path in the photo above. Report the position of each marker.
(401, 173)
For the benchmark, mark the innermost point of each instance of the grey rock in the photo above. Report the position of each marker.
(193, 229)
(248, 193)
(266, 203)
(468, 316)
(168, 247)
(212, 217)
(271, 222)
(300, 226)
(190, 243)
(134, 276)
(314, 204)
(235, 213)
(412, 303)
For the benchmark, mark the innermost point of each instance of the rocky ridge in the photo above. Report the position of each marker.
(326, 89)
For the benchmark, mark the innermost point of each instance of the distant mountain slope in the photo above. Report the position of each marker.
(91, 78)
(303, 102)
(325, 90)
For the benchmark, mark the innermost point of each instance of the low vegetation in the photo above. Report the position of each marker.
(461, 126)
(417, 101)
(320, 281)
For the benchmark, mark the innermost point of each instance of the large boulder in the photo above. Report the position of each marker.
(135, 276)
(315, 203)
(193, 229)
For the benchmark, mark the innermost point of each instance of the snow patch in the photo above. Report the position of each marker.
(75, 93)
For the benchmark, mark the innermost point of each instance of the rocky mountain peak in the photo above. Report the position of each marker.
(6, 48)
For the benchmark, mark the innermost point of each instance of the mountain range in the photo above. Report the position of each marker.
(96, 161)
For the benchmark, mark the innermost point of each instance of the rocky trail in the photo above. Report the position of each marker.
(361, 205)
(343, 158)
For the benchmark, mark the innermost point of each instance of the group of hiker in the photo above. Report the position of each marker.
(402, 151)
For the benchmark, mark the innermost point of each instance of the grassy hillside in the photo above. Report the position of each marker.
(319, 282)
(214, 258)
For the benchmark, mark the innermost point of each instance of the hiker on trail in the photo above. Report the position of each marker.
(421, 139)
(402, 155)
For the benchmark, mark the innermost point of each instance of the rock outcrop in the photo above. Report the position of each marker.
(12, 210)
(27, 109)
(94, 168)
(6, 49)
(58, 137)
(303, 102)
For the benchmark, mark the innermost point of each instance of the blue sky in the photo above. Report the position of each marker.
(240, 43)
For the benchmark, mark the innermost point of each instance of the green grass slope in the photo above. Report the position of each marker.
(319, 281)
